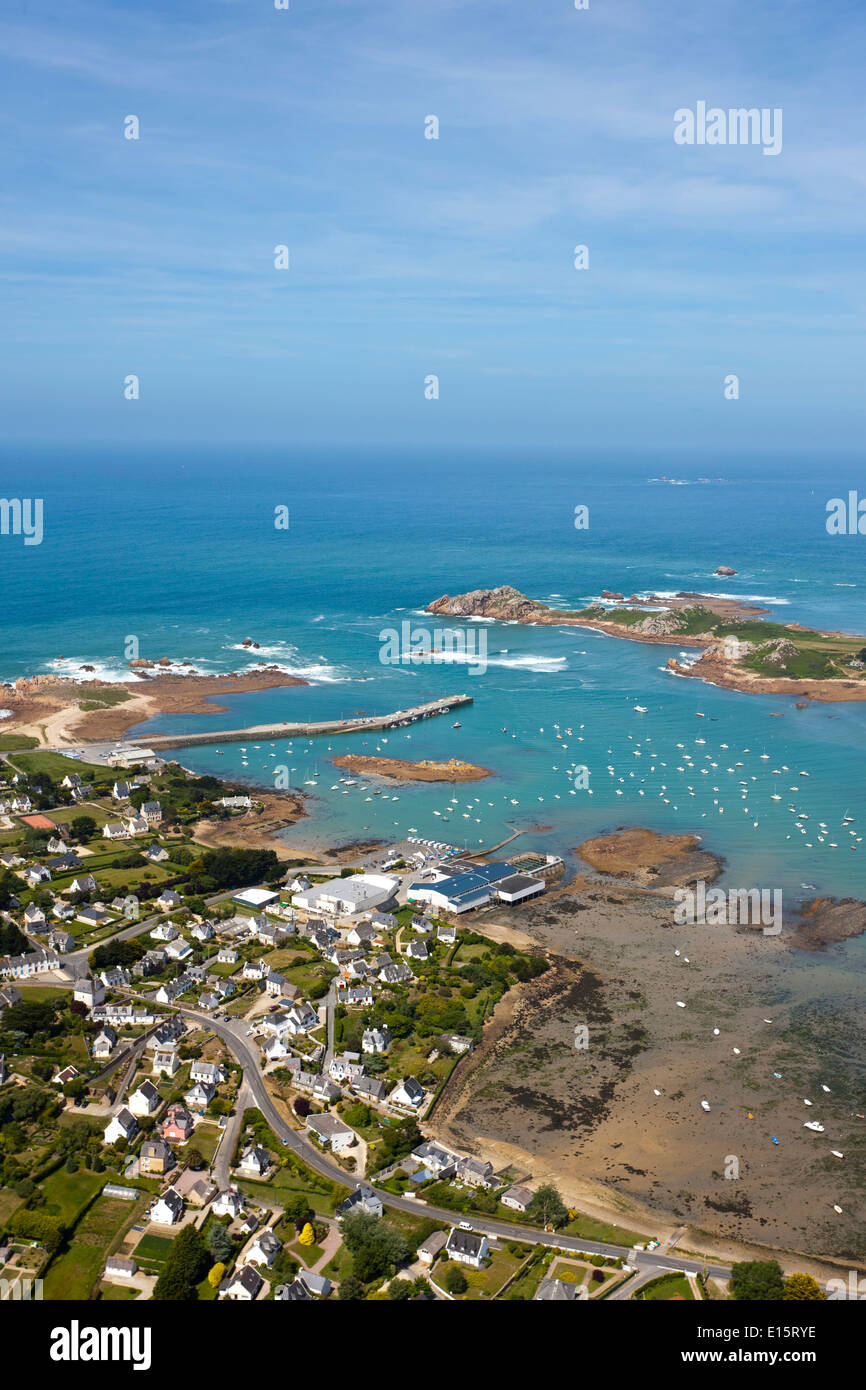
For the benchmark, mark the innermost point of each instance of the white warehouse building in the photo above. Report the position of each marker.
(347, 896)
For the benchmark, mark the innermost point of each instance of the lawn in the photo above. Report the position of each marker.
(486, 1283)
(667, 1287)
(57, 766)
(66, 1194)
(9, 1202)
(205, 1138)
(152, 1252)
(72, 1275)
(9, 742)
(116, 1293)
(603, 1231)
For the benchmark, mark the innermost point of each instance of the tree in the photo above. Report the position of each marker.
(184, 1268)
(215, 1277)
(454, 1279)
(376, 1247)
(547, 1207)
(757, 1281)
(802, 1288)
(307, 1236)
(219, 1242)
(82, 827)
(399, 1290)
(194, 1159)
(350, 1288)
(301, 1106)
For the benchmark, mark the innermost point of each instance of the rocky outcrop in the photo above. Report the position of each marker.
(725, 570)
(505, 603)
(661, 624)
(777, 653)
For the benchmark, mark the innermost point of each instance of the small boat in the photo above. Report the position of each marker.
(836, 1153)
(773, 1139)
(837, 1209)
(825, 1088)
(640, 709)
(705, 1105)
(458, 725)
(806, 1102)
(815, 1126)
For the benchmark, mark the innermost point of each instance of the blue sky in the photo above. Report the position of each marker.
(411, 256)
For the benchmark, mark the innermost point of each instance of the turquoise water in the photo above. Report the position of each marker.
(179, 550)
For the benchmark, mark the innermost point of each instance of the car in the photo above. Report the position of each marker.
(466, 1225)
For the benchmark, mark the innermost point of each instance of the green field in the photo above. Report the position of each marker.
(152, 1252)
(9, 742)
(66, 1194)
(72, 1274)
(58, 767)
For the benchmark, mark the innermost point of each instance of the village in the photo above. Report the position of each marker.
(173, 1026)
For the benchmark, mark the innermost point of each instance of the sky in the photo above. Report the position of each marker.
(412, 257)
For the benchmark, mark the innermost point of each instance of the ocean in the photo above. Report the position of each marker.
(178, 549)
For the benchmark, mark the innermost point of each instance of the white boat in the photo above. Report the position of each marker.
(640, 709)
(705, 1105)
(836, 1153)
(815, 1126)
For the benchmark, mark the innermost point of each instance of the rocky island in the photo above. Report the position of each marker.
(741, 650)
(425, 770)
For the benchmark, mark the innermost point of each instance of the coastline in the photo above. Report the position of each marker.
(722, 656)
(49, 708)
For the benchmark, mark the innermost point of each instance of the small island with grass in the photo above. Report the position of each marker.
(741, 649)
(425, 770)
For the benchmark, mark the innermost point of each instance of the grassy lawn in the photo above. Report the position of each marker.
(486, 1283)
(67, 1193)
(285, 1183)
(117, 1293)
(339, 1265)
(205, 1138)
(308, 1255)
(667, 1287)
(12, 741)
(603, 1231)
(58, 767)
(41, 994)
(72, 1275)
(152, 1252)
(9, 1202)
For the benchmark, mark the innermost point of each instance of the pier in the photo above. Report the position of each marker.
(370, 722)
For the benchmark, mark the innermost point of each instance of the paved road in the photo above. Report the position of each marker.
(230, 1136)
(245, 1053)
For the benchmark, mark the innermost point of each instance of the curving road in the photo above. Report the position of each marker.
(243, 1052)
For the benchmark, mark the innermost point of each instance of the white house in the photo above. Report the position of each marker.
(255, 1162)
(243, 1285)
(145, 1100)
(208, 1072)
(120, 1126)
(168, 900)
(156, 854)
(89, 992)
(264, 1250)
(516, 1197)
(104, 1043)
(166, 931)
(331, 1132)
(467, 1247)
(167, 1209)
(408, 1092)
(165, 1062)
(178, 949)
(228, 1203)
